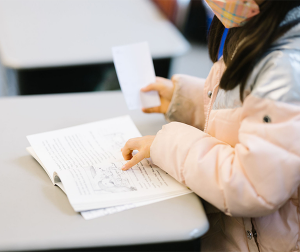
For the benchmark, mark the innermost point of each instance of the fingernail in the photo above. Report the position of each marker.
(123, 167)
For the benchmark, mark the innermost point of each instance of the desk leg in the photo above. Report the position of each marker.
(8, 81)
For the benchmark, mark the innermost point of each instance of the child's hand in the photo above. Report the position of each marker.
(165, 90)
(142, 144)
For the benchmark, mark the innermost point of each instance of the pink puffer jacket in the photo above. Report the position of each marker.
(242, 158)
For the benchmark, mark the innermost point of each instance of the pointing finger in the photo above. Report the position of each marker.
(135, 160)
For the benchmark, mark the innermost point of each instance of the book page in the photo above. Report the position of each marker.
(96, 213)
(135, 70)
(105, 185)
(92, 214)
(57, 183)
(83, 145)
(68, 152)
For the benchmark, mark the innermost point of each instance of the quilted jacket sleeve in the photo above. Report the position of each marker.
(187, 102)
(260, 173)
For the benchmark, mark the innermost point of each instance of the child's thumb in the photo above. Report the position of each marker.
(151, 87)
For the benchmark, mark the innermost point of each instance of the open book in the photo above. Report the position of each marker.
(85, 162)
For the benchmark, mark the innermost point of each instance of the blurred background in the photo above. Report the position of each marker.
(64, 46)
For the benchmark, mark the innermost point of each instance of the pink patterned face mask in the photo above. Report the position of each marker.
(234, 13)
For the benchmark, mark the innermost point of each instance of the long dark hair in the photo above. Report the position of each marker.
(260, 32)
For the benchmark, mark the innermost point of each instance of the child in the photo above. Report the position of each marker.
(236, 142)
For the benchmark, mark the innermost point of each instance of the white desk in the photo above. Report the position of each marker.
(37, 36)
(35, 33)
(35, 215)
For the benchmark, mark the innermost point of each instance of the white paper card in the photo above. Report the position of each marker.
(135, 70)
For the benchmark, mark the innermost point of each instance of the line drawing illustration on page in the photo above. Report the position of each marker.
(117, 140)
(108, 178)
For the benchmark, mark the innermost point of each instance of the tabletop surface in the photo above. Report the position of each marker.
(47, 33)
(34, 214)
